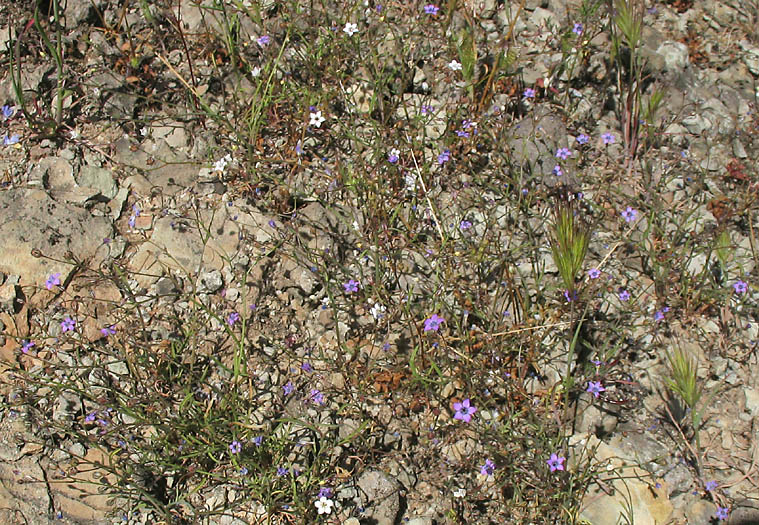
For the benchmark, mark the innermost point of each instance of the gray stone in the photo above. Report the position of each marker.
(543, 18)
(627, 486)
(34, 221)
(696, 124)
(738, 150)
(533, 144)
(53, 173)
(675, 55)
(382, 494)
(752, 401)
(210, 282)
(167, 171)
(99, 179)
(66, 403)
(9, 293)
(751, 57)
(77, 12)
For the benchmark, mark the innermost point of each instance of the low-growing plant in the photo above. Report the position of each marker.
(684, 384)
(570, 237)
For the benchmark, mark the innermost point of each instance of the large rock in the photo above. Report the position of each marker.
(382, 493)
(31, 220)
(632, 487)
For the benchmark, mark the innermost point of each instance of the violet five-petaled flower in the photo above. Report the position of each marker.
(68, 324)
(577, 28)
(595, 388)
(721, 513)
(563, 153)
(488, 468)
(608, 138)
(263, 40)
(529, 93)
(431, 9)
(316, 396)
(582, 138)
(464, 410)
(710, 486)
(432, 324)
(740, 287)
(594, 273)
(444, 157)
(351, 286)
(26, 346)
(556, 462)
(659, 314)
(108, 330)
(233, 318)
(624, 295)
(235, 447)
(629, 214)
(53, 280)
(557, 171)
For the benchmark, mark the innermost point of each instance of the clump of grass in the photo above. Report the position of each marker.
(683, 383)
(570, 237)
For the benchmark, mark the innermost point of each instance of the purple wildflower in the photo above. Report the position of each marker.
(464, 411)
(556, 462)
(108, 330)
(431, 9)
(624, 295)
(577, 29)
(288, 388)
(488, 468)
(595, 388)
(235, 447)
(630, 214)
(351, 286)
(316, 396)
(563, 153)
(68, 324)
(740, 287)
(263, 40)
(26, 346)
(233, 318)
(582, 138)
(529, 93)
(594, 273)
(53, 280)
(444, 157)
(432, 324)
(608, 138)
(721, 513)
(659, 314)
